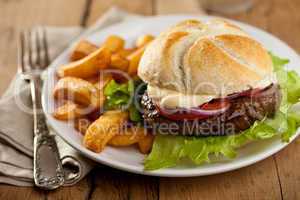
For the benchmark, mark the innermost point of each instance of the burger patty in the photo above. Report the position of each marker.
(242, 113)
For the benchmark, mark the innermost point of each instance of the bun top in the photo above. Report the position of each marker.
(213, 58)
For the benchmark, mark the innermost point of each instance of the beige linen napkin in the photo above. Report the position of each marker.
(16, 137)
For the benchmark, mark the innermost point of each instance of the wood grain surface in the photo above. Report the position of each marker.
(277, 177)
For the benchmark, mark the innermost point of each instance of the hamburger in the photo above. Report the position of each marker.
(207, 79)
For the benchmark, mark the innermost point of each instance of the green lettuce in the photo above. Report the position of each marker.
(168, 150)
(118, 96)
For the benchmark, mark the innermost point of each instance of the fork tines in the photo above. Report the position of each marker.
(33, 50)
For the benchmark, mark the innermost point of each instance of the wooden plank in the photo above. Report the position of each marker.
(281, 18)
(288, 168)
(109, 184)
(253, 182)
(143, 187)
(135, 6)
(258, 181)
(8, 192)
(16, 15)
(79, 191)
(113, 184)
(178, 7)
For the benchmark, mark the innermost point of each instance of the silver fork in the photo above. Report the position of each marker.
(48, 170)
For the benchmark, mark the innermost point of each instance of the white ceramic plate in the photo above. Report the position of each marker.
(129, 159)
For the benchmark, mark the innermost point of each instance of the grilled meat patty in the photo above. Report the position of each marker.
(242, 113)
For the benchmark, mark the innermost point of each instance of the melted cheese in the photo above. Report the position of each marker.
(173, 99)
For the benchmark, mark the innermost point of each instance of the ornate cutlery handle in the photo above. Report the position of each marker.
(48, 170)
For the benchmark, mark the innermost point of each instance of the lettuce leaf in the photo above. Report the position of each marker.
(118, 96)
(289, 80)
(168, 150)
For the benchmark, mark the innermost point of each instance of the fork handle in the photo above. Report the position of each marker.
(48, 170)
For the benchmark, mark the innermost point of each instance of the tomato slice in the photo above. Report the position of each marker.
(179, 116)
(215, 105)
(201, 112)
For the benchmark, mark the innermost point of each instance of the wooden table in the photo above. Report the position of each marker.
(277, 177)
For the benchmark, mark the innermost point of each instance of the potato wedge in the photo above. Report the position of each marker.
(103, 79)
(82, 124)
(134, 60)
(103, 129)
(80, 91)
(125, 52)
(68, 111)
(88, 66)
(82, 49)
(145, 144)
(93, 79)
(114, 43)
(100, 80)
(128, 137)
(143, 40)
(119, 62)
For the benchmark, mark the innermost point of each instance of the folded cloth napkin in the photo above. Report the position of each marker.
(16, 136)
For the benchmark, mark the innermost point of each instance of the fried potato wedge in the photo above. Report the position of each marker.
(82, 49)
(145, 144)
(88, 66)
(93, 79)
(114, 43)
(134, 59)
(103, 79)
(128, 137)
(100, 80)
(143, 40)
(68, 111)
(125, 52)
(80, 91)
(119, 62)
(103, 129)
(82, 124)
